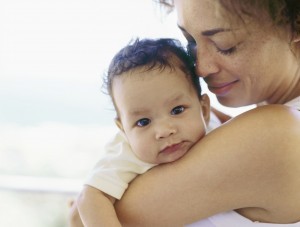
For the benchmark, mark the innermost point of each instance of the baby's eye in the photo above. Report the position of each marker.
(143, 122)
(177, 110)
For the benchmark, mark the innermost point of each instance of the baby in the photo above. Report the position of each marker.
(161, 114)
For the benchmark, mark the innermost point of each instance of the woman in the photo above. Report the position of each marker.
(248, 52)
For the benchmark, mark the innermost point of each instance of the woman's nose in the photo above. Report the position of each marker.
(164, 130)
(206, 63)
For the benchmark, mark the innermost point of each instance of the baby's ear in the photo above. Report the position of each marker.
(119, 124)
(205, 104)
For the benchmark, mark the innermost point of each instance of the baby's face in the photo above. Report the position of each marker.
(160, 113)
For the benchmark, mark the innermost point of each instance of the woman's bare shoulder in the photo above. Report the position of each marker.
(281, 120)
(274, 133)
(271, 131)
(270, 114)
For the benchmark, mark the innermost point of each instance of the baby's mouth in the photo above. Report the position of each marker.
(172, 148)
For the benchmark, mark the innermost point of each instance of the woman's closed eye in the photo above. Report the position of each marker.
(143, 122)
(228, 51)
(177, 110)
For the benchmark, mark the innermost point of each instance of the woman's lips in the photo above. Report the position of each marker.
(222, 88)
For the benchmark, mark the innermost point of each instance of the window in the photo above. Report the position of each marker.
(54, 119)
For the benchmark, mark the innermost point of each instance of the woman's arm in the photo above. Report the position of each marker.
(244, 163)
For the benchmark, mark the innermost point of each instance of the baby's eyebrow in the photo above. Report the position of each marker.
(138, 112)
(175, 98)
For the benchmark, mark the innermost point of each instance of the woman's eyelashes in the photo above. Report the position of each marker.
(192, 49)
(228, 51)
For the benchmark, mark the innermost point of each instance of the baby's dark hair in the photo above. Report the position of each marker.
(151, 54)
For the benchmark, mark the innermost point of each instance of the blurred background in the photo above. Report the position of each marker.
(54, 117)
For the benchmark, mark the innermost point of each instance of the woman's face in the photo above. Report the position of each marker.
(242, 62)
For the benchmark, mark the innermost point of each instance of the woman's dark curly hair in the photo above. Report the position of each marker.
(282, 12)
(151, 54)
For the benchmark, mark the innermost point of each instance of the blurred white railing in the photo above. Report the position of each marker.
(40, 184)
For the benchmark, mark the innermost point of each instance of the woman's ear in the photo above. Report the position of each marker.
(296, 39)
(295, 45)
(119, 124)
(205, 105)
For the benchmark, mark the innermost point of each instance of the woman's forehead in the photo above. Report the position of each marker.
(207, 15)
(203, 14)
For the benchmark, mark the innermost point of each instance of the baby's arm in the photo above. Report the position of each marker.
(74, 219)
(111, 174)
(96, 208)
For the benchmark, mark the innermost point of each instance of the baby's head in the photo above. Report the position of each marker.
(151, 54)
(157, 97)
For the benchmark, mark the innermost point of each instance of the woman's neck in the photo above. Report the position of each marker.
(289, 91)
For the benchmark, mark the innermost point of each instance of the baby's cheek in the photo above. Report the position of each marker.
(201, 132)
(141, 150)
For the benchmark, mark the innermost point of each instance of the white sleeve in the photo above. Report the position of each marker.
(117, 168)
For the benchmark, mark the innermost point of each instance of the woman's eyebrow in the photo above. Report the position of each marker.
(210, 32)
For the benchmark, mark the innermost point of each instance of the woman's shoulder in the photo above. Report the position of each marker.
(269, 156)
(272, 130)
(272, 124)
(276, 121)
(270, 113)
